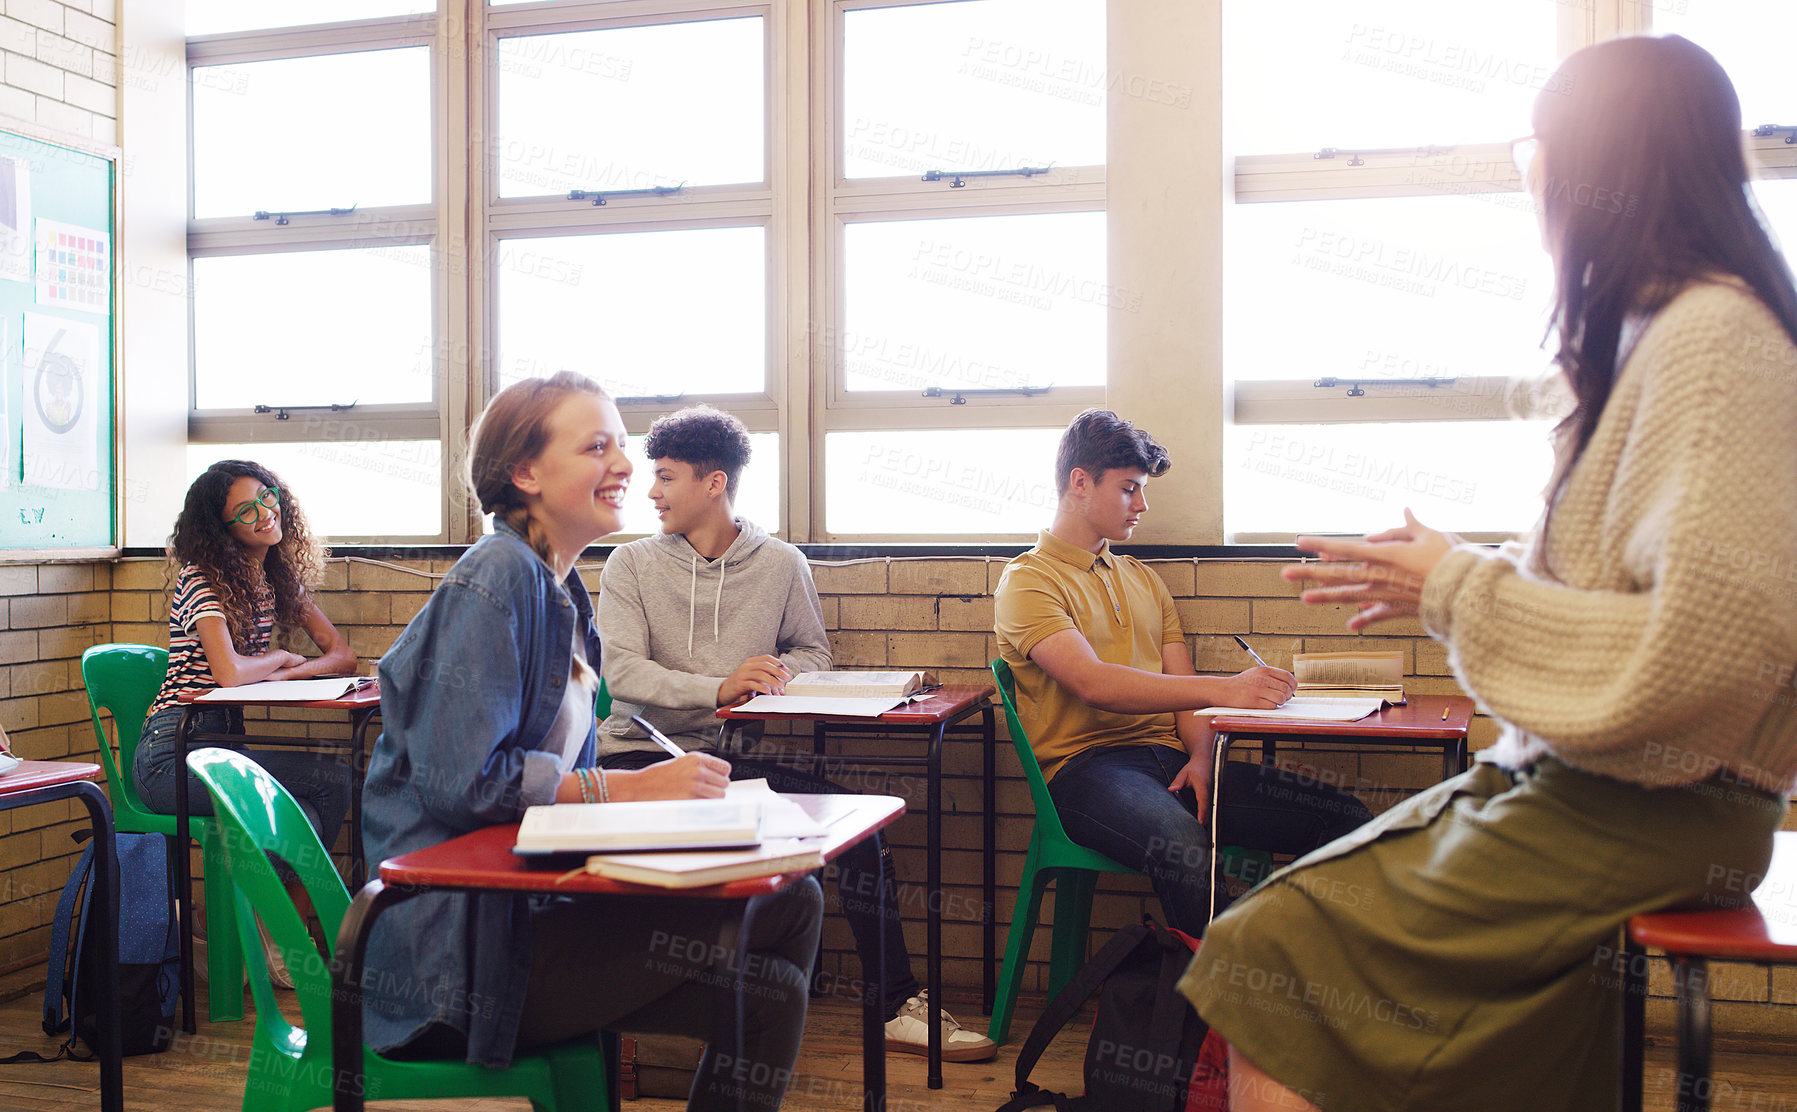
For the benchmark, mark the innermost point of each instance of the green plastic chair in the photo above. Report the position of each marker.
(123, 680)
(1052, 856)
(290, 1067)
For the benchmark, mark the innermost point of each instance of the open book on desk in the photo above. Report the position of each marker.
(654, 824)
(699, 868)
(287, 691)
(1351, 675)
(1306, 708)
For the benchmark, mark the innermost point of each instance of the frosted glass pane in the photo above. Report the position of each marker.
(215, 17)
(299, 134)
(940, 481)
(1471, 476)
(631, 108)
(983, 302)
(313, 328)
(1752, 39)
(357, 488)
(1305, 74)
(983, 85)
(644, 313)
(757, 493)
(1778, 202)
(1413, 287)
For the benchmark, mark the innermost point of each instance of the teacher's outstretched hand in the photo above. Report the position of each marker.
(1382, 574)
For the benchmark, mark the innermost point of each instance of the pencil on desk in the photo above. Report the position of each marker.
(1444, 714)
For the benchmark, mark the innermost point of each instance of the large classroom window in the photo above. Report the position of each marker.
(1387, 298)
(876, 231)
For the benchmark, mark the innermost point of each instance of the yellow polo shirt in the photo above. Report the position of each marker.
(1124, 610)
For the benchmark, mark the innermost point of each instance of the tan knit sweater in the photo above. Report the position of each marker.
(1652, 638)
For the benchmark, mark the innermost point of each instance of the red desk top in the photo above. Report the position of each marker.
(47, 774)
(1767, 931)
(484, 858)
(366, 697)
(944, 703)
(1420, 717)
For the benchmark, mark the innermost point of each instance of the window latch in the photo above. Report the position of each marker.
(283, 217)
(598, 198)
(1356, 390)
(1766, 131)
(960, 176)
(282, 412)
(959, 397)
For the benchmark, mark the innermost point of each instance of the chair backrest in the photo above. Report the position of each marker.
(257, 817)
(122, 679)
(1046, 816)
(602, 702)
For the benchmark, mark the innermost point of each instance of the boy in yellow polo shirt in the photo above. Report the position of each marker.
(1105, 687)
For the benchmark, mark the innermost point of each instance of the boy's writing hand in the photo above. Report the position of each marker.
(1259, 688)
(758, 675)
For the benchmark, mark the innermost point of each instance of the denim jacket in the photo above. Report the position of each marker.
(469, 693)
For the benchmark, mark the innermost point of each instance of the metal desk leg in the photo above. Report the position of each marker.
(358, 768)
(184, 870)
(106, 925)
(1691, 980)
(933, 910)
(989, 834)
(1634, 1022)
(348, 1081)
(873, 1008)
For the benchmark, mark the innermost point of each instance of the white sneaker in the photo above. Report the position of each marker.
(909, 1033)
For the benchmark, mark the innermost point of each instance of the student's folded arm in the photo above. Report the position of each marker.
(228, 667)
(335, 656)
(457, 709)
(631, 674)
(804, 646)
(1706, 643)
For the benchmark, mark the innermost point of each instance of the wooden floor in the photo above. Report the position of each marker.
(205, 1072)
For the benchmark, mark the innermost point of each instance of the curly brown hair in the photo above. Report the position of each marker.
(202, 538)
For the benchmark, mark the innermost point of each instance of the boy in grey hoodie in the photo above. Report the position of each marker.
(712, 611)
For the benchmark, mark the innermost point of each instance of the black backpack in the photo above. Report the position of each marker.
(1146, 1042)
(149, 955)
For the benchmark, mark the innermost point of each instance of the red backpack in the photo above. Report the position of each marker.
(1149, 1051)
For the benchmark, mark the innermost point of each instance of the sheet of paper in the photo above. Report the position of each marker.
(73, 267)
(62, 400)
(1308, 709)
(8, 762)
(800, 704)
(15, 218)
(780, 816)
(284, 691)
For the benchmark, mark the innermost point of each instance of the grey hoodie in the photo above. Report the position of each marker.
(675, 624)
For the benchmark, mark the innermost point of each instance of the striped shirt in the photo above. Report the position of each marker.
(195, 599)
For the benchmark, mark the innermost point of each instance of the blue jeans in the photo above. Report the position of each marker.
(855, 869)
(1115, 800)
(319, 784)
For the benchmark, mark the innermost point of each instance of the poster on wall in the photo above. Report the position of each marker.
(74, 267)
(15, 219)
(6, 467)
(61, 404)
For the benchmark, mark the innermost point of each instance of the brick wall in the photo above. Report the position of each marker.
(61, 66)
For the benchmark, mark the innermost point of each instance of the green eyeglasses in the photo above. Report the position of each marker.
(251, 511)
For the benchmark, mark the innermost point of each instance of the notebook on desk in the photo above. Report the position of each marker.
(662, 824)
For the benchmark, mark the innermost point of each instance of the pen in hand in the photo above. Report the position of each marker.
(657, 736)
(1249, 649)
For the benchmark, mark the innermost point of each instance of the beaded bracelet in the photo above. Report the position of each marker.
(604, 791)
(586, 785)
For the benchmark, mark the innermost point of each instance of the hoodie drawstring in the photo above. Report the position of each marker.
(716, 607)
(692, 604)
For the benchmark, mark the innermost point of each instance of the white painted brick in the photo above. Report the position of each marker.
(20, 38)
(18, 103)
(39, 13)
(97, 98)
(106, 130)
(84, 28)
(29, 73)
(65, 54)
(64, 117)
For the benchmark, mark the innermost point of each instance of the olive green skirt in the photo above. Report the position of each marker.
(1461, 950)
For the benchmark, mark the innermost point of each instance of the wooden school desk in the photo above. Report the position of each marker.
(361, 704)
(1763, 932)
(483, 861)
(932, 717)
(44, 782)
